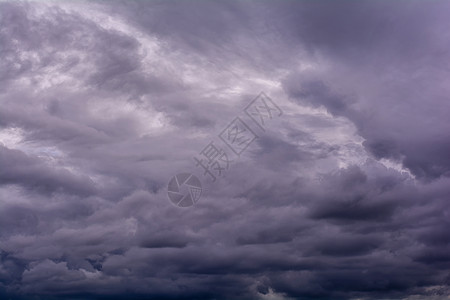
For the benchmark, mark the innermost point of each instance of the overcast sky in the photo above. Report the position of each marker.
(343, 194)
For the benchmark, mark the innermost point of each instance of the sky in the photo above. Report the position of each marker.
(342, 193)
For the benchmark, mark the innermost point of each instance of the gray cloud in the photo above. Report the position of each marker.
(343, 197)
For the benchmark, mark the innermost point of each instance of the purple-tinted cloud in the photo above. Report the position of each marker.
(345, 196)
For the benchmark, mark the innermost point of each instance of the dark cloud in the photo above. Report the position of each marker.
(18, 168)
(392, 109)
(345, 196)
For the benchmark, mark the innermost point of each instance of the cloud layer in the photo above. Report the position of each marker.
(344, 196)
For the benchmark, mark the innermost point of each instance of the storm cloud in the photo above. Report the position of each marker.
(345, 195)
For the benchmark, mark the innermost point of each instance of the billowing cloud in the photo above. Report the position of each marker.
(343, 196)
